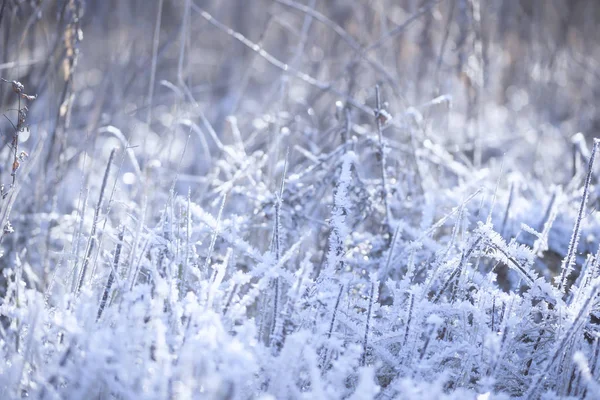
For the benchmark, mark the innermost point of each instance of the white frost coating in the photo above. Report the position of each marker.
(369, 274)
(338, 215)
(435, 319)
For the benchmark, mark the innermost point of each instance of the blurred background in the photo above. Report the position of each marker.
(498, 81)
(508, 71)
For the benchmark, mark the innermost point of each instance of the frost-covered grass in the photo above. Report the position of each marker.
(230, 202)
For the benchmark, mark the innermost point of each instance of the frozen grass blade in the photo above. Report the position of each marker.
(92, 240)
(111, 277)
(569, 260)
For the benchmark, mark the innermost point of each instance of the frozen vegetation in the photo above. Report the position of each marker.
(299, 199)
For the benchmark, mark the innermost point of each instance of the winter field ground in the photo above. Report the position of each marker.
(299, 199)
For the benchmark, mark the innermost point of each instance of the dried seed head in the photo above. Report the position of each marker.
(383, 116)
(28, 96)
(8, 228)
(18, 87)
(22, 115)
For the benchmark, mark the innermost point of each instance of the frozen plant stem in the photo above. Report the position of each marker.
(409, 318)
(92, 240)
(325, 86)
(380, 118)
(15, 144)
(363, 361)
(569, 260)
(213, 239)
(341, 32)
(402, 27)
(155, 43)
(507, 211)
(277, 239)
(188, 235)
(337, 304)
(111, 276)
(386, 269)
(19, 89)
(564, 343)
